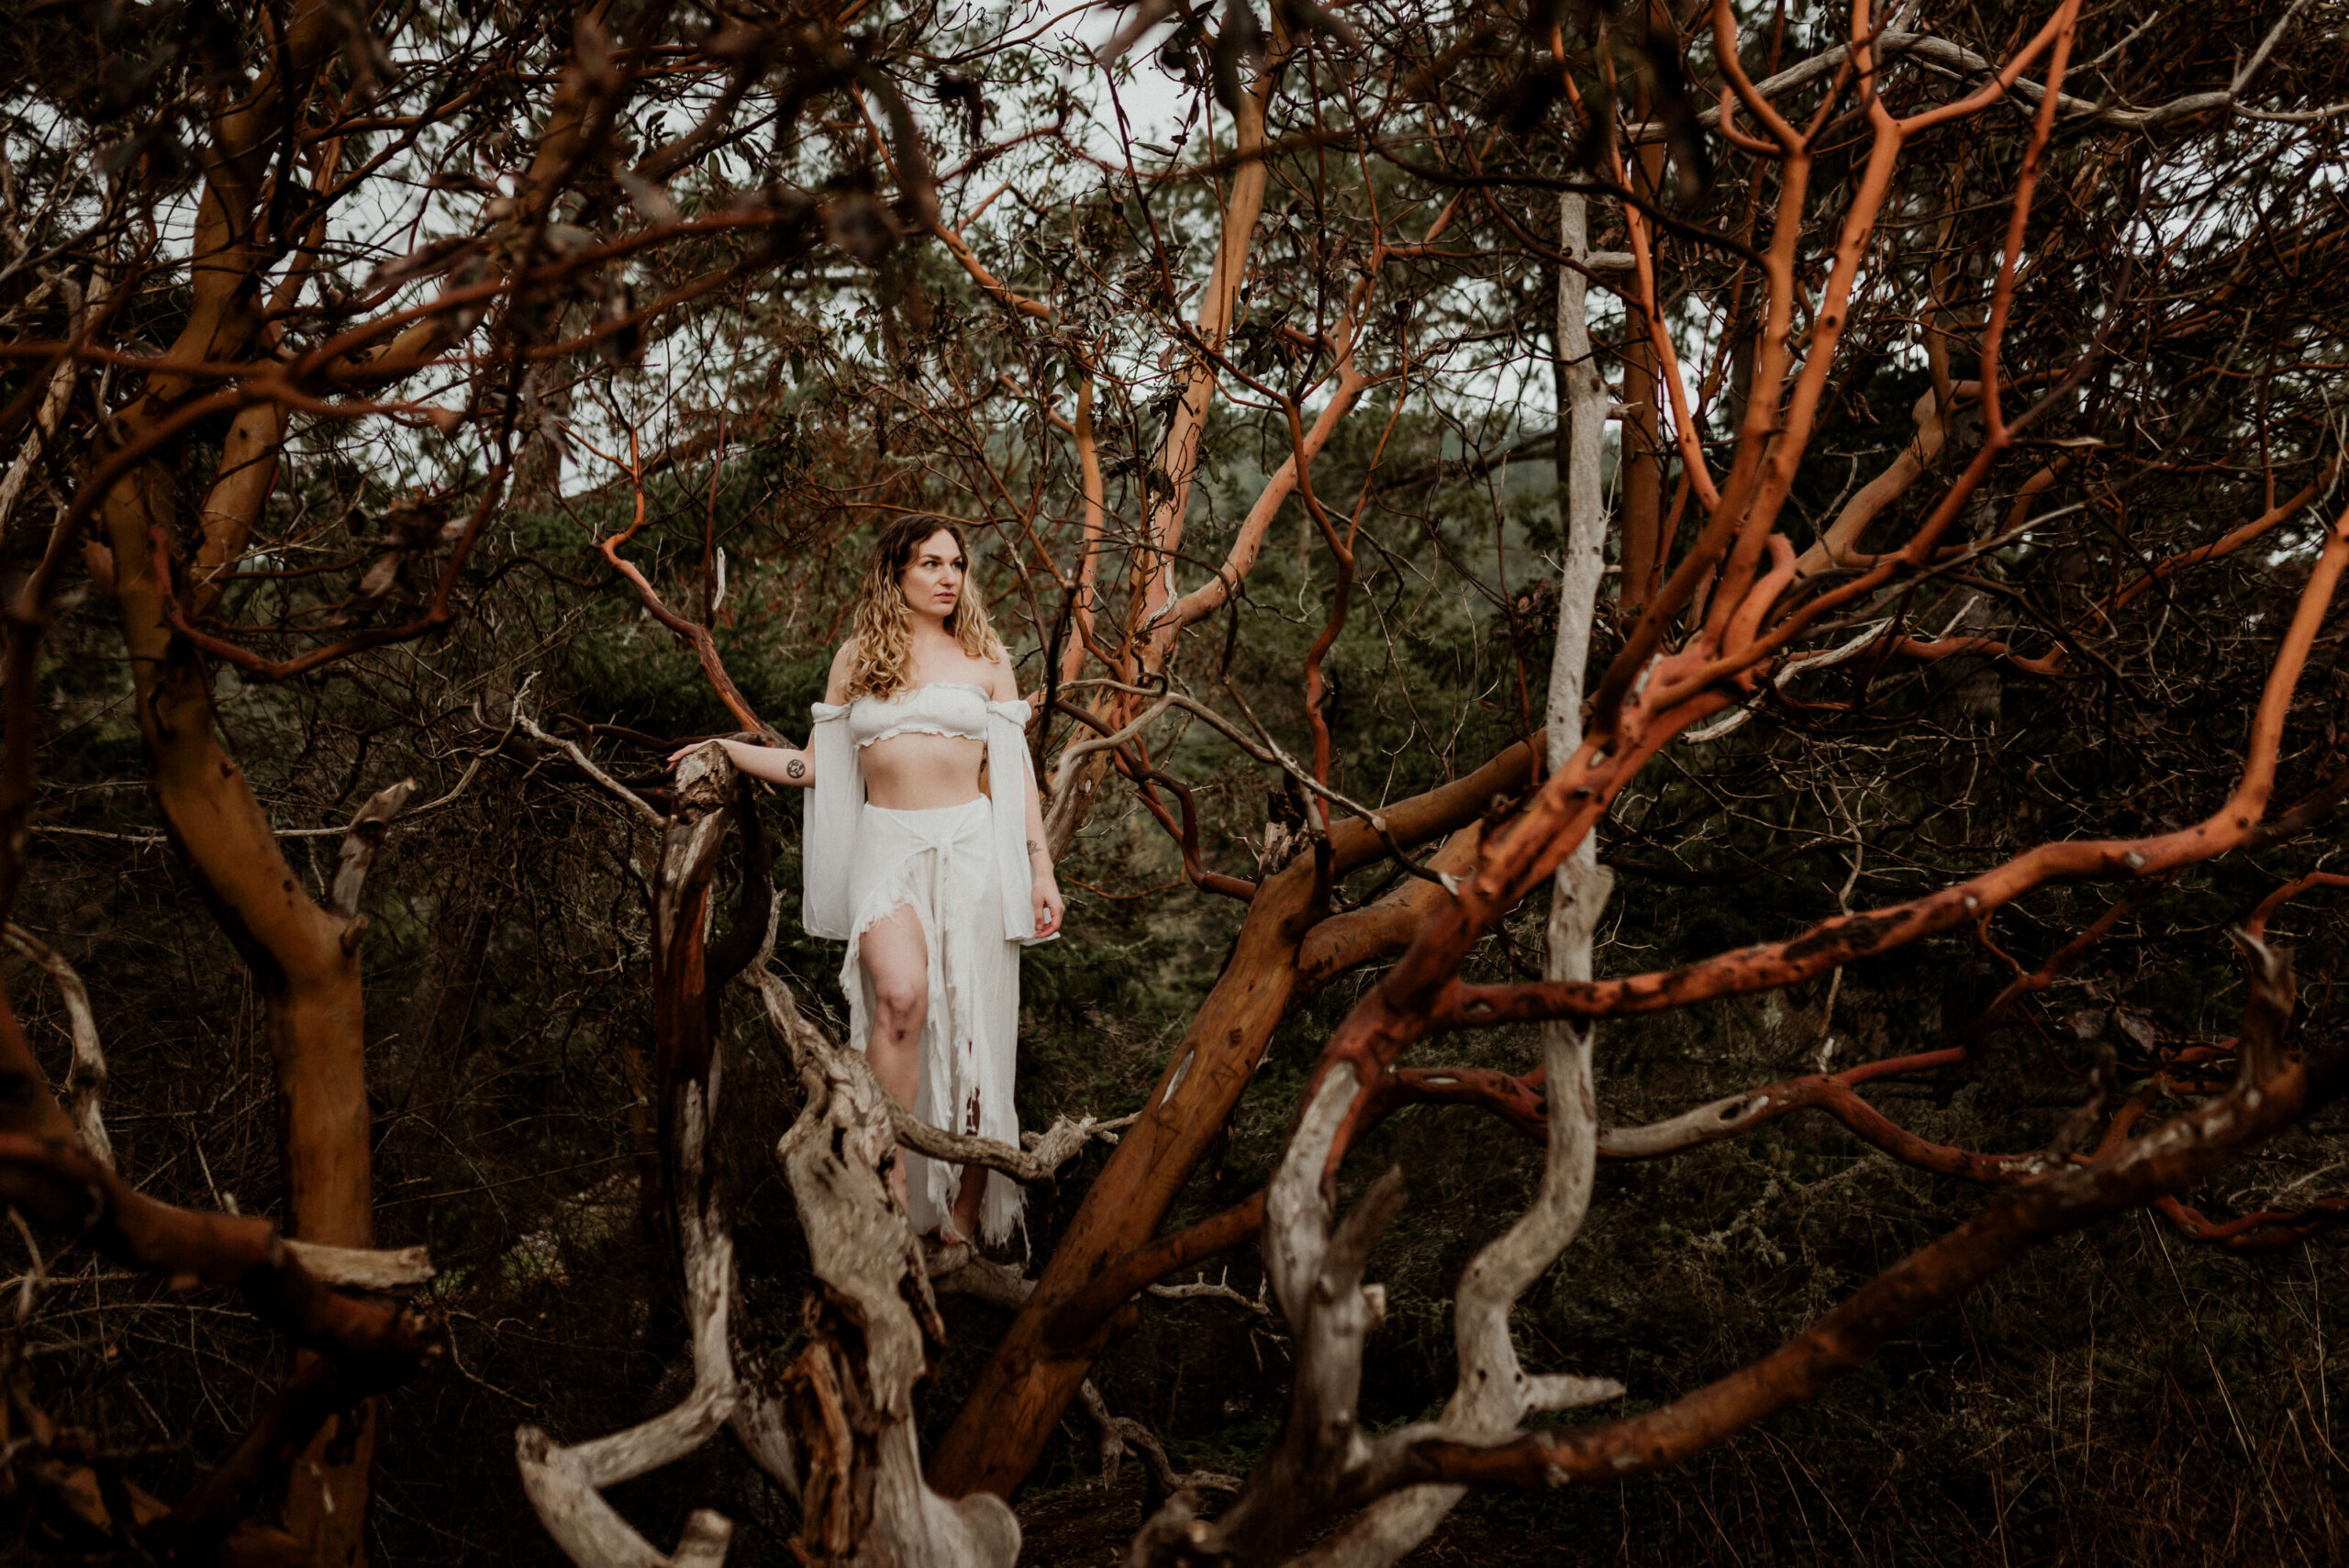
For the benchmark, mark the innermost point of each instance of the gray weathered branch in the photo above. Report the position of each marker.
(362, 1268)
(1316, 1264)
(1060, 1143)
(566, 1485)
(863, 1499)
(1494, 1392)
(960, 1269)
(581, 761)
(85, 1073)
(1121, 1435)
(1301, 1485)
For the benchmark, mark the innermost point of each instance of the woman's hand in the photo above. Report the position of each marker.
(682, 752)
(1050, 906)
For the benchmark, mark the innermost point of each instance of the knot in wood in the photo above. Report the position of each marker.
(702, 789)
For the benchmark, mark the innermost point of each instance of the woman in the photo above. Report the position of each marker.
(933, 879)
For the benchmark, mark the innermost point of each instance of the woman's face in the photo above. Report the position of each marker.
(932, 581)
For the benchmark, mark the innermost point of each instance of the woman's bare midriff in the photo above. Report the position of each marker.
(921, 773)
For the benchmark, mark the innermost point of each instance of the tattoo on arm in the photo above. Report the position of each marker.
(795, 768)
(1034, 848)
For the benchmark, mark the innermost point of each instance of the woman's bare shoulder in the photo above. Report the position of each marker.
(843, 661)
(1003, 682)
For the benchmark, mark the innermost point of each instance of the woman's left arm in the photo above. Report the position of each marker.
(1044, 886)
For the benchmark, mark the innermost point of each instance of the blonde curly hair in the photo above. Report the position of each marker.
(881, 665)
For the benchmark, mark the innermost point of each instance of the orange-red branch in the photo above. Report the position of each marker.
(61, 1187)
(2136, 1173)
(1147, 780)
(1771, 965)
(437, 615)
(2256, 926)
(697, 635)
(1117, 1284)
(2227, 544)
(1520, 1103)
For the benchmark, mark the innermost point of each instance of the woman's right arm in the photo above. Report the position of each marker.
(782, 764)
(776, 764)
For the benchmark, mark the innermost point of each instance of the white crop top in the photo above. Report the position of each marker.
(836, 806)
(941, 707)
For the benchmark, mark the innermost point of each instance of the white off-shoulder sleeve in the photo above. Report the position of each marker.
(828, 840)
(1011, 781)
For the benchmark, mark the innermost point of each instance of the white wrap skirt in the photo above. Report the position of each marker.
(942, 865)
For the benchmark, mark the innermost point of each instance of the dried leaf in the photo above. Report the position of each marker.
(380, 577)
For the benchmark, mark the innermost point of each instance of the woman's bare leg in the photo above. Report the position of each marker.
(966, 1201)
(896, 963)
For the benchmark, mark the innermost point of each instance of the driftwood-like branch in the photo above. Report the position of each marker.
(362, 1268)
(850, 1392)
(1059, 1143)
(566, 1485)
(1213, 1290)
(1316, 1267)
(1493, 1393)
(1300, 1486)
(579, 759)
(960, 1269)
(1121, 1435)
(85, 1075)
(64, 1190)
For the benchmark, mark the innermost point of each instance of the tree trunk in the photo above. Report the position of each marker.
(305, 958)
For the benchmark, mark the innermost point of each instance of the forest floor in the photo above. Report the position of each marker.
(1086, 1525)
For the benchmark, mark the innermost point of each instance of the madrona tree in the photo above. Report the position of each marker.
(1932, 417)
